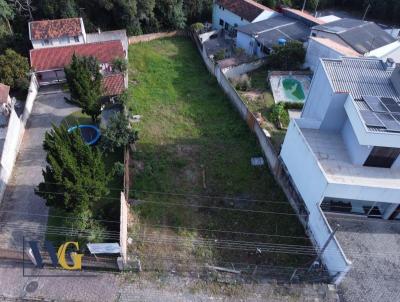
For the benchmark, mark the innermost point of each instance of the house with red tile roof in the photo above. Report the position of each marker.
(229, 14)
(59, 32)
(56, 41)
(49, 63)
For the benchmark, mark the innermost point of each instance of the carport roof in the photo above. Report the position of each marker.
(268, 32)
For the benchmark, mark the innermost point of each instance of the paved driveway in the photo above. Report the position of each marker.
(374, 248)
(19, 196)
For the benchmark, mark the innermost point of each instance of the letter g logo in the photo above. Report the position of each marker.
(76, 258)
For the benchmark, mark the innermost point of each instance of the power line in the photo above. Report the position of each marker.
(189, 194)
(180, 204)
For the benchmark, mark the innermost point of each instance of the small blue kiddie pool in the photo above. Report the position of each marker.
(90, 133)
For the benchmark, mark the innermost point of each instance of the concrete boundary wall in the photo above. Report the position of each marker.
(155, 36)
(15, 134)
(276, 166)
(123, 231)
(232, 72)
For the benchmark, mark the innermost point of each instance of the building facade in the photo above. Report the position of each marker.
(343, 153)
(229, 14)
(55, 33)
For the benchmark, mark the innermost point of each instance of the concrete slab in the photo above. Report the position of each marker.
(20, 197)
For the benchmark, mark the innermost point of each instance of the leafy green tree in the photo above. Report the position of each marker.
(14, 69)
(118, 133)
(84, 81)
(6, 14)
(279, 115)
(75, 178)
(120, 64)
(171, 14)
(290, 56)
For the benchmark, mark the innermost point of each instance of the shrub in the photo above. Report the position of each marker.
(242, 83)
(219, 55)
(291, 105)
(196, 27)
(119, 168)
(14, 69)
(290, 56)
(279, 115)
(120, 64)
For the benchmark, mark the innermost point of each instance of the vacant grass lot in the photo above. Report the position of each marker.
(192, 142)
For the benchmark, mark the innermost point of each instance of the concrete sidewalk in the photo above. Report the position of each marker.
(19, 196)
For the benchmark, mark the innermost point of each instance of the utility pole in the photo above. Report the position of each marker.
(304, 5)
(366, 11)
(316, 7)
(324, 247)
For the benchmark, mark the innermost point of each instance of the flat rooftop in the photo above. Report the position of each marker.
(332, 155)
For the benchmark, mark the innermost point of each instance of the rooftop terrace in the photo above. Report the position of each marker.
(334, 161)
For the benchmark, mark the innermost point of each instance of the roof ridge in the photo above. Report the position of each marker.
(77, 45)
(53, 20)
(276, 27)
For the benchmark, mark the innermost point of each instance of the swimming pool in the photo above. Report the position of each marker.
(293, 90)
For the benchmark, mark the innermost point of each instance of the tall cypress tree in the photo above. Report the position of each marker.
(84, 81)
(75, 177)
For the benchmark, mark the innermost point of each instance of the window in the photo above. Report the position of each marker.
(382, 157)
(314, 34)
(221, 22)
(241, 19)
(76, 38)
(46, 42)
(258, 44)
(227, 26)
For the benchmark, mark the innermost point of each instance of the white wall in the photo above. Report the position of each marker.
(358, 153)
(265, 15)
(227, 16)
(316, 51)
(319, 97)
(58, 42)
(335, 114)
(232, 72)
(311, 184)
(15, 133)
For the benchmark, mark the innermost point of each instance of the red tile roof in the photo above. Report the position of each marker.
(304, 14)
(113, 84)
(49, 29)
(247, 9)
(4, 92)
(43, 59)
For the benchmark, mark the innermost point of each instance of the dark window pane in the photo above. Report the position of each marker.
(382, 157)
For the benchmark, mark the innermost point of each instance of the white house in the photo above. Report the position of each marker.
(345, 147)
(343, 153)
(228, 14)
(59, 32)
(48, 63)
(348, 37)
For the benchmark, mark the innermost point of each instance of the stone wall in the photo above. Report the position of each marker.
(150, 37)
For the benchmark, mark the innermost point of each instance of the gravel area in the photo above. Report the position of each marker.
(374, 248)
